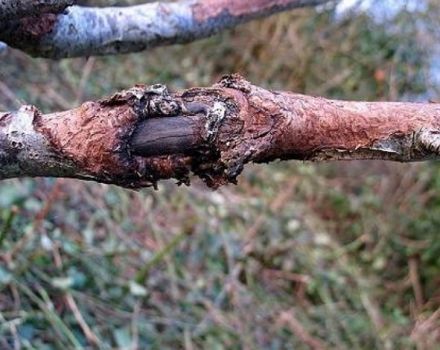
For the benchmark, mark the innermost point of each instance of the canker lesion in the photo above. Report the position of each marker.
(141, 135)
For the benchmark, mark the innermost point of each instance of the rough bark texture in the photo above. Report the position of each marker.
(82, 31)
(14, 9)
(142, 135)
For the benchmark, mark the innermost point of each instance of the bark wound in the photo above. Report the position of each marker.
(95, 137)
(91, 135)
(145, 134)
(244, 123)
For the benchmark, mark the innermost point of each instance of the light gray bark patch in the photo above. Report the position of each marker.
(428, 140)
(100, 31)
(26, 152)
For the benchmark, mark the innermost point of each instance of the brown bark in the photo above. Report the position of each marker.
(15, 9)
(142, 135)
(211, 10)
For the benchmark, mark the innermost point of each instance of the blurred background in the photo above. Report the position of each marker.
(341, 255)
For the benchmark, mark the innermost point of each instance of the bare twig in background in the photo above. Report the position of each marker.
(87, 31)
(426, 332)
(91, 337)
(415, 282)
(288, 318)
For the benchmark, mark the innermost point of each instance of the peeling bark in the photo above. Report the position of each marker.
(142, 135)
(87, 31)
(14, 9)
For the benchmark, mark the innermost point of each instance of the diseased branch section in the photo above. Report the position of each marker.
(145, 134)
(87, 31)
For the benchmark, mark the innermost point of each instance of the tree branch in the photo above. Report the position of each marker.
(139, 136)
(14, 9)
(90, 31)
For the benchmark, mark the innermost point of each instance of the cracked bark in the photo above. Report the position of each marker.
(87, 31)
(145, 134)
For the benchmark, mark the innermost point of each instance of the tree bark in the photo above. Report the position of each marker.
(14, 9)
(142, 135)
(88, 31)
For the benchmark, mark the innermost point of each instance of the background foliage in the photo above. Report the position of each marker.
(341, 255)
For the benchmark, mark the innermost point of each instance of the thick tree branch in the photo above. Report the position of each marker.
(144, 134)
(14, 9)
(83, 31)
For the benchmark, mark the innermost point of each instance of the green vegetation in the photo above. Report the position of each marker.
(346, 255)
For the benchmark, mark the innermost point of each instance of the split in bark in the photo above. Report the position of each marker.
(139, 136)
(87, 31)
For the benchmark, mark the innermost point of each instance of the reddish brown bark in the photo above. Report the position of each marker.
(34, 27)
(142, 135)
(15, 9)
(210, 9)
(304, 127)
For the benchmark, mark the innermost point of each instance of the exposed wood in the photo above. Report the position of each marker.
(142, 135)
(168, 135)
